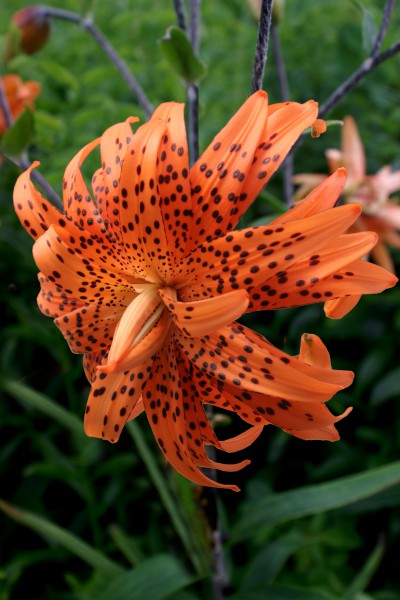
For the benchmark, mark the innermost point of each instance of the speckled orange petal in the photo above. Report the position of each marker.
(173, 177)
(136, 410)
(143, 226)
(299, 284)
(74, 273)
(353, 151)
(284, 127)
(244, 258)
(205, 316)
(323, 197)
(78, 203)
(52, 299)
(316, 371)
(217, 178)
(90, 328)
(327, 433)
(112, 398)
(233, 359)
(162, 397)
(33, 210)
(113, 147)
(287, 415)
(91, 360)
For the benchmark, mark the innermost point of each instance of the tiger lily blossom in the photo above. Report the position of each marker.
(19, 96)
(145, 276)
(379, 213)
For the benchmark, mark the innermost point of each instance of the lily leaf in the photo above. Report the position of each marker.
(179, 53)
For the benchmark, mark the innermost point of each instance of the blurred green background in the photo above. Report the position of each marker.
(306, 525)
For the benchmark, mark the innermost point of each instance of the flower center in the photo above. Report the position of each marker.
(142, 329)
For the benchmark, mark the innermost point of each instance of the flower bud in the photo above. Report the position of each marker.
(28, 32)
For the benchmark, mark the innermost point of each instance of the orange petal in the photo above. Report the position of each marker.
(205, 316)
(151, 343)
(353, 151)
(300, 283)
(33, 210)
(243, 440)
(245, 258)
(313, 351)
(336, 309)
(90, 328)
(323, 197)
(136, 320)
(174, 434)
(173, 177)
(78, 203)
(231, 358)
(217, 178)
(327, 433)
(112, 398)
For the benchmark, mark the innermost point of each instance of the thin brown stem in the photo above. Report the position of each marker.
(193, 122)
(260, 57)
(88, 25)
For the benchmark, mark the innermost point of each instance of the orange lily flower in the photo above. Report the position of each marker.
(372, 192)
(19, 96)
(146, 280)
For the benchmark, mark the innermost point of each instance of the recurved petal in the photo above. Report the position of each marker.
(249, 257)
(205, 316)
(175, 435)
(33, 210)
(112, 399)
(336, 309)
(284, 127)
(323, 197)
(234, 359)
(78, 204)
(301, 283)
(314, 352)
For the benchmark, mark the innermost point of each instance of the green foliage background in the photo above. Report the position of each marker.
(142, 523)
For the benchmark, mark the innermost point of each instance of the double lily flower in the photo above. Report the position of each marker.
(145, 276)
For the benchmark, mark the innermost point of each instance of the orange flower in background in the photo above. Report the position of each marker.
(143, 275)
(372, 192)
(19, 96)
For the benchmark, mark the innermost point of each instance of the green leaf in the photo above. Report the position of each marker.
(387, 387)
(365, 575)
(288, 506)
(276, 592)
(18, 137)
(25, 394)
(179, 53)
(369, 31)
(154, 579)
(65, 538)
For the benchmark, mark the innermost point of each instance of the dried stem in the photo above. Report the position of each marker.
(88, 25)
(285, 95)
(260, 57)
(383, 28)
(180, 14)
